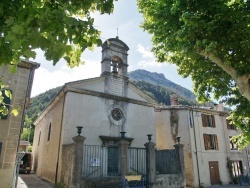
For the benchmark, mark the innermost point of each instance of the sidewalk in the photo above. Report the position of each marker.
(229, 186)
(32, 181)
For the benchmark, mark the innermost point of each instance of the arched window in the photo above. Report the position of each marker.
(49, 132)
(116, 64)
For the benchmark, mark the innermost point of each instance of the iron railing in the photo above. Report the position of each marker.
(137, 161)
(100, 161)
(167, 161)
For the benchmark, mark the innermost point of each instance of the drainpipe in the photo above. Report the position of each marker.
(196, 153)
(60, 136)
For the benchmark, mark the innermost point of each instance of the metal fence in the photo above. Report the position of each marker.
(137, 161)
(100, 161)
(167, 161)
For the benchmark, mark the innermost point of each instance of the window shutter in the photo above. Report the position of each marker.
(213, 121)
(216, 142)
(204, 120)
(206, 141)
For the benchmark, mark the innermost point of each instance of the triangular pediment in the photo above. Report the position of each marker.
(92, 84)
(137, 94)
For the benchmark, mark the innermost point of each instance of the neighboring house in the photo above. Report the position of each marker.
(206, 135)
(20, 84)
(104, 107)
(24, 146)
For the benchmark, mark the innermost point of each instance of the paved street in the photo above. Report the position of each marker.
(229, 186)
(32, 181)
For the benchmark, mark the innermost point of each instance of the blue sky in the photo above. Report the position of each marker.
(127, 19)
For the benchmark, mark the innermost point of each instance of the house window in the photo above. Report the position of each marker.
(237, 168)
(233, 145)
(48, 138)
(210, 141)
(208, 120)
(230, 126)
(7, 95)
(39, 138)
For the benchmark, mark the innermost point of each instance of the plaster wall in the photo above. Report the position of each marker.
(205, 156)
(45, 152)
(93, 114)
(11, 127)
(236, 155)
(133, 95)
(93, 84)
(166, 136)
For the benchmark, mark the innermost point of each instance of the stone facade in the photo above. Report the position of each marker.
(103, 106)
(20, 83)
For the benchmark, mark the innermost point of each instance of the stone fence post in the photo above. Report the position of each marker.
(77, 161)
(150, 162)
(123, 157)
(179, 148)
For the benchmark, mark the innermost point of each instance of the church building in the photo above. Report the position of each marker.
(104, 106)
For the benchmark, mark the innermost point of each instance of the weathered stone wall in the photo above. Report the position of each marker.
(10, 128)
(169, 181)
(67, 167)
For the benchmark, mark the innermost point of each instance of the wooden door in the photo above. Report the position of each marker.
(214, 172)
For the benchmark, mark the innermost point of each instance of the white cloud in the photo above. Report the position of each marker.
(45, 79)
(145, 52)
(148, 57)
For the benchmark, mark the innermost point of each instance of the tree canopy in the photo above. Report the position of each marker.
(61, 29)
(209, 41)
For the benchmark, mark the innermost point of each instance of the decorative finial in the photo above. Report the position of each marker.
(79, 130)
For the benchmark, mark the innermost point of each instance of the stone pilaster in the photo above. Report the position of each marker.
(150, 162)
(179, 147)
(77, 160)
(123, 157)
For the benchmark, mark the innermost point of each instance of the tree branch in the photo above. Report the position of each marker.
(228, 69)
(241, 81)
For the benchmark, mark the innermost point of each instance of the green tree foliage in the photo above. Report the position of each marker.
(161, 94)
(209, 41)
(39, 102)
(28, 130)
(61, 29)
(37, 105)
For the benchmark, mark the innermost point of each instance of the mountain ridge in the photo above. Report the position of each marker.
(160, 79)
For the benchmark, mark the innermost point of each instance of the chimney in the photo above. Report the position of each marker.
(174, 100)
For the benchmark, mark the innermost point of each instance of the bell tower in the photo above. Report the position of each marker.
(115, 66)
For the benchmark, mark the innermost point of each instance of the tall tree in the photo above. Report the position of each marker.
(62, 29)
(209, 41)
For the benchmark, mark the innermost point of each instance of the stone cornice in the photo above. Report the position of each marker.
(109, 96)
(191, 108)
